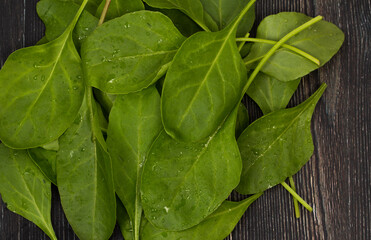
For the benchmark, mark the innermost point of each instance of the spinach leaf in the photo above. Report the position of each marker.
(242, 119)
(42, 91)
(24, 189)
(203, 84)
(57, 15)
(224, 12)
(91, 6)
(124, 222)
(322, 40)
(271, 94)
(117, 8)
(116, 62)
(46, 160)
(105, 100)
(192, 8)
(276, 146)
(217, 226)
(197, 177)
(84, 176)
(134, 123)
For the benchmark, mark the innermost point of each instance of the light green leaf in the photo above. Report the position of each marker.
(242, 119)
(271, 94)
(134, 123)
(182, 183)
(84, 175)
(276, 146)
(117, 8)
(322, 40)
(192, 8)
(203, 84)
(57, 15)
(217, 226)
(24, 189)
(42, 91)
(131, 52)
(46, 160)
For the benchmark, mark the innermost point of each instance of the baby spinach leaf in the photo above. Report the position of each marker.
(217, 226)
(192, 8)
(105, 100)
(24, 189)
(117, 62)
(242, 119)
(322, 40)
(84, 176)
(276, 146)
(57, 15)
(203, 84)
(224, 12)
(196, 177)
(91, 6)
(271, 94)
(46, 160)
(135, 122)
(42, 91)
(124, 222)
(117, 8)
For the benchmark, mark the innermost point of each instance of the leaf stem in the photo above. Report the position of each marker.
(242, 14)
(242, 41)
(104, 12)
(292, 48)
(276, 47)
(297, 197)
(296, 205)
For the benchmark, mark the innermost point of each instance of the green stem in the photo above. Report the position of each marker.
(294, 49)
(242, 41)
(276, 47)
(296, 205)
(104, 12)
(297, 197)
(78, 14)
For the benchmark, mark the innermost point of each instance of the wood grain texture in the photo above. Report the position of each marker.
(336, 181)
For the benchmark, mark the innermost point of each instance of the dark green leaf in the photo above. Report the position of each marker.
(271, 94)
(242, 119)
(46, 160)
(91, 6)
(134, 123)
(124, 222)
(322, 40)
(117, 8)
(183, 183)
(131, 52)
(276, 146)
(24, 189)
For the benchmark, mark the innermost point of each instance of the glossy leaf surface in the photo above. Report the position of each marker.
(117, 8)
(24, 189)
(117, 62)
(271, 94)
(84, 175)
(217, 226)
(183, 183)
(203, 84)
(242, 119)
(42, 91)
(46, 160)
(322, 40)
(276, 146)
(135, 122)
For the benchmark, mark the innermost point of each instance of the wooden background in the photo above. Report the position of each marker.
(336, 181)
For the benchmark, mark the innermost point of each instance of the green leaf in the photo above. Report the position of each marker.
(192, 8)
(54, 146)
(217, 226)
(91, 6)
(124, 222)
(57, 14)
(134, 123)
(322, 40)
(271, 94)
(203, 84)
(182, 183)
(224, 12)
(117, 8)
(42, 91)
(242, 119)
(24, 189)
(276, 146)
(84, 175)
(131, 52)
(46, 160)
(105, 100)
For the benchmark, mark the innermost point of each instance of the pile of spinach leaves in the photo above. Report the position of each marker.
(133, 110)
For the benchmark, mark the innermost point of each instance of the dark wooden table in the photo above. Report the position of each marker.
(336, 181)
